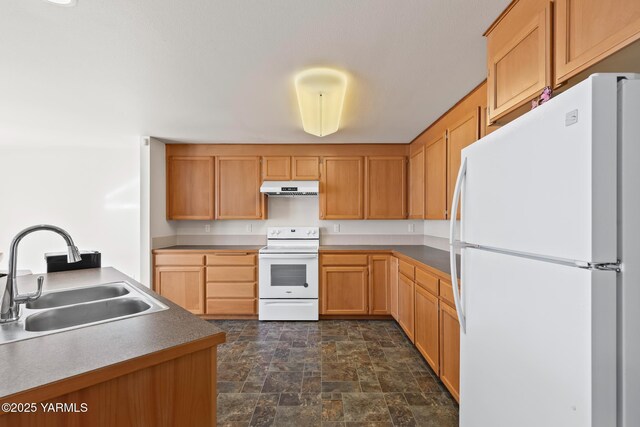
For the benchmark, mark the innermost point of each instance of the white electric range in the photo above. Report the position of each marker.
(289, 274)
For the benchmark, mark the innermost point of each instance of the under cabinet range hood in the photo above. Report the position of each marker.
(290, 188)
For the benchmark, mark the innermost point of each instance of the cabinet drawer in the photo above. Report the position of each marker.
(179, 259)
(350, 259)
(446, 293)
(231, 274)
(231, 306)
(427, 281)
(240, 258)
(407, 269)
(231, 290)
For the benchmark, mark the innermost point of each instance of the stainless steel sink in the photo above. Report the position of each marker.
(68, 309)
(79, 295)
(82, 314)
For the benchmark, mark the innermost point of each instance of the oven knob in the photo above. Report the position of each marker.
(277, 232)
(308, 232)
(272, 232)
(306, 285)
(314, 232)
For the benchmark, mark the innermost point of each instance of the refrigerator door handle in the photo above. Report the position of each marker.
(452, 245)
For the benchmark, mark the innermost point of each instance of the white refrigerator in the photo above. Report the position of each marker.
(549, 300)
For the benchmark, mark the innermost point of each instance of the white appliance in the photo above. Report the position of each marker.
(550, 322)
(289, 274)
(290, 188)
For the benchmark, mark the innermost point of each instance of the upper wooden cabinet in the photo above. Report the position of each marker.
(436, 178)
(385, 187)
(342, 188)
(416, 184)
(190, 188)
(587, 31)
(285, 168)
(519, 58)
(305, 168)
(238, 188)
(345, 290)
(276, 168)
(379, 289)
(462, 133)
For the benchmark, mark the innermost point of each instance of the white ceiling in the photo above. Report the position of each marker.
(221, 70)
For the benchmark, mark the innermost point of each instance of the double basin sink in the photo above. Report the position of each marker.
(68, 309)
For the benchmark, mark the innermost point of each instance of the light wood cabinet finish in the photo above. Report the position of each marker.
(276, 168)
(379, 289)
(416, 184)
(462, 133)
(446, 293)
(305, 168)
(342, 188)
(190, 188)
(393, 284)
(385, 188)
(428, 281)
(232, 287)
(450, 350)
(345, 259)
(407, 269)
(231, 258)
(427, 332)
(231, 290)
(227, 306)
(182, 285)
(179, 259)
(231, 274)
(238, 188)
(518, 56)
(436, 178)
(406, 289)
(345, 290)
(587, 31)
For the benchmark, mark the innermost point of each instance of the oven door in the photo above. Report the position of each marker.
(288, 275)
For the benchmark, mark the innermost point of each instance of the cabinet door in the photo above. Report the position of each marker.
(463, 133)
(306, 168)
(182, 285)
(342, 188)
(393, 284)
(405, 305)
(416, 184)
(379, 289)
(386, 193)
(238, 188)
(427, 329)
(190, 188)
(450, 349)
(518, 56)
(276, 168)
(587, 31)
(436, 179)
(345, 290)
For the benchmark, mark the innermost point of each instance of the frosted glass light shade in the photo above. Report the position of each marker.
(321, 94)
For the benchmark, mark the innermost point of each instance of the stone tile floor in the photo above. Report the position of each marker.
(326, 373)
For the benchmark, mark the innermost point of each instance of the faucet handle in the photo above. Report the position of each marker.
(31, 296)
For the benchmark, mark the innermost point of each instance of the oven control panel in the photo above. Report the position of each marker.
(293, 233)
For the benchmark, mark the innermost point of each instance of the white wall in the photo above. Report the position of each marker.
(91, 190)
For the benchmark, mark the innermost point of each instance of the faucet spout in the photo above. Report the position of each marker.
(11, 300)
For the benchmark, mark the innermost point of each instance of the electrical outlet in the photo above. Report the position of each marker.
(336, 228)
(249, 228)
(207, 228)
(412, 228)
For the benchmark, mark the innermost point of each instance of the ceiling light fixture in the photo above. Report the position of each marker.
(63, 2)
(320, 98)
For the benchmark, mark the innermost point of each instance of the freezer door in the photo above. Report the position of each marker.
(545, 184)
(540, 343)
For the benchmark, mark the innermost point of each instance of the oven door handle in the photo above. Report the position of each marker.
(288, 256)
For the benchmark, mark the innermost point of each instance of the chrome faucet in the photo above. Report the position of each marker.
(11, 300)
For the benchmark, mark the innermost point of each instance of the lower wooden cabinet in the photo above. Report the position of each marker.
(393, 285)
(379, 290)
(232, 287)
(345, 290)
(427, 330)
(406, 305)
(183, 286)
(450, 349)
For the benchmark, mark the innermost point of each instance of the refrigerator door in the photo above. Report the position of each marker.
(545, 184)
(540, 343)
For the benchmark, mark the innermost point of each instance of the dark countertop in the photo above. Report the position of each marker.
(211, 248)
(426, 255)
(46, 359)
